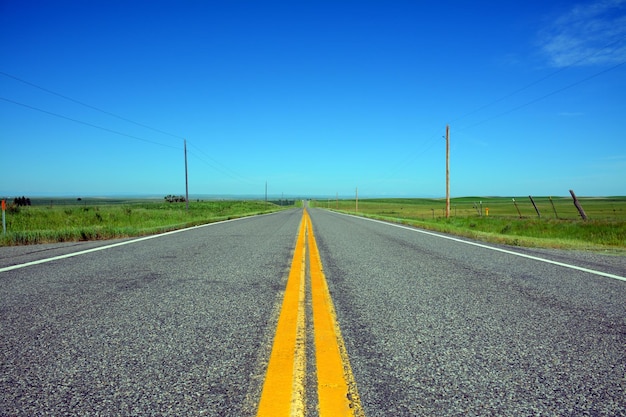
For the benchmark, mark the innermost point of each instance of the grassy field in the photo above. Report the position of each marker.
(494, 219)
(63, 220)
(497, 219)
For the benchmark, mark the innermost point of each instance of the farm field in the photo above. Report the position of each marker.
(502, 220)
(64, 220)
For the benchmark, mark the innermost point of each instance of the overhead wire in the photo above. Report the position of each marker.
(528, 103)
(201, 155)
(426, 145)
(106, 129)
(214, 164)
(89, 105)
(533, 83)
(422, 151)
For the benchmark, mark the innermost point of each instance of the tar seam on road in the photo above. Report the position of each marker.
(336, 386)
(480, 245)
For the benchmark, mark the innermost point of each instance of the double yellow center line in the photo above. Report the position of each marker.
(284, 391)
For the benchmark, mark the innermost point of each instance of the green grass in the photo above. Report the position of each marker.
(64, 220)
(558, 227)
(67, 220)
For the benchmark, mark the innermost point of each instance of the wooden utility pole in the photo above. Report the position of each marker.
(447, 171)
(186, 177)
(356, 208)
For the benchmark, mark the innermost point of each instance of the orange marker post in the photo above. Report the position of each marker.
(4, 223)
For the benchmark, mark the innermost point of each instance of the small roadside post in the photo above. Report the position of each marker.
(4, 223)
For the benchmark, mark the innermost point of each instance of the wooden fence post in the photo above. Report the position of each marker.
(578, 206)
(556, 216)
(518, 212)
(535, 206)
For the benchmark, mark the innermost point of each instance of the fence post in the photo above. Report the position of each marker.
(518, 212)
(556, 216)
(578, 206)
(535, 206)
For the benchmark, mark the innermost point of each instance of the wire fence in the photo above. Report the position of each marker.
(557, 208)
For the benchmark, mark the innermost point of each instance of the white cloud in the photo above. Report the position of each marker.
(587, 34)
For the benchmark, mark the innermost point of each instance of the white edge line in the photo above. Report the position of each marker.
(126, 242)
(480, 245)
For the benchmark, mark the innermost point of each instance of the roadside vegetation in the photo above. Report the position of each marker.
(48, 221)
(502, 220)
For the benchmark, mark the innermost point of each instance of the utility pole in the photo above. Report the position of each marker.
(266, 192)
(186, 177)
(447, 171)
(356, 208)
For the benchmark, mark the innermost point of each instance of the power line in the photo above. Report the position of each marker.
(420, 152)
(218, 166)
(545, 96)
(214, 164)
(425, 146)
(87, 123)
(89, 106)
(527, 86)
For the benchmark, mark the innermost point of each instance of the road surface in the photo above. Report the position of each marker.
(185, 323)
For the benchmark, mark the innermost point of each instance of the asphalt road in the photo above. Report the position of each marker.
(183, 324)
(439, 327)
(176, 325)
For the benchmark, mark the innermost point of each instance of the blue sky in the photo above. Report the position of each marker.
(312, 97)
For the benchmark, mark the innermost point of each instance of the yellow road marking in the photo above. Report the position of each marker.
(283, 391)
(336, 386)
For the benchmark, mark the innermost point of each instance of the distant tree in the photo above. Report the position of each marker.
(174, 198)
(21, 201)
